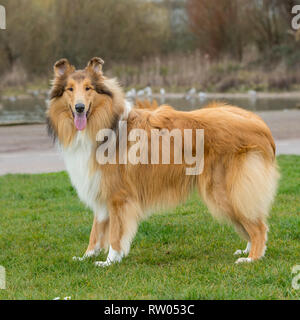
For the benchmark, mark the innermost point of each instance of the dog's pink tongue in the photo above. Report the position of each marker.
(80, 121)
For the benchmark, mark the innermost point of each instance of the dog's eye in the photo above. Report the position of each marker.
(87, 88)
(70, 89)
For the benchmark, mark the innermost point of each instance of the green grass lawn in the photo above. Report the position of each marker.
(178, 254)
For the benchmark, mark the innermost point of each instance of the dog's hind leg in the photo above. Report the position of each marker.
(258, 236)
(244, 234)
(123, 222)
(252, 182)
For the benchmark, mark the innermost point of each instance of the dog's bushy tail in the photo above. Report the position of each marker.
(252, 184)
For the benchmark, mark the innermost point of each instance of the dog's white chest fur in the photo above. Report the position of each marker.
(77, 160)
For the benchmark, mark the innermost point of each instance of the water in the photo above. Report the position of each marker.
(261, 104)
(32, 110)
(29, 110)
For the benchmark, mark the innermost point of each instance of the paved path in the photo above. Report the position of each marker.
(28, 149)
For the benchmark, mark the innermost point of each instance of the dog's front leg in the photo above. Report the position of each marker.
(123, 222)
(113, 256)
(98, 237)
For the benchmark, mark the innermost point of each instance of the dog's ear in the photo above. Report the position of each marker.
(95, 65)
(63, 67)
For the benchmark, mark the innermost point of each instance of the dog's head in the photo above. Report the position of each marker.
(79, 90)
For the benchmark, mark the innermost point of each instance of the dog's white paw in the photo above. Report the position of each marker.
(87, 255)
(103, 264)
(240, 252)
(78, 258)
(242, 260)
(113, 256)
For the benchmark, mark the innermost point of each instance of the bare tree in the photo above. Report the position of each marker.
(218, 25)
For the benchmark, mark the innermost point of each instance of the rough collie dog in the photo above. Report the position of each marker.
(239, 177)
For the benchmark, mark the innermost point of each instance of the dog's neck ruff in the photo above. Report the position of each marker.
(77, 157)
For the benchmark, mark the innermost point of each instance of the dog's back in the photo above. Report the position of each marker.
(240, 174)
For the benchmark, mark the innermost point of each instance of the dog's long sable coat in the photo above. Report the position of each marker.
(238, 183)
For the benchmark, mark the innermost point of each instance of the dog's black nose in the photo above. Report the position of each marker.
(79, 107)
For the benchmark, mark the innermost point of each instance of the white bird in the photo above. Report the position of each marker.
(12, 98)
(148, 91)
(190, 93)
(252, 93)
(131, 93)
(140, 93)
(252, 97)
(162, 91)
(202, 95)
